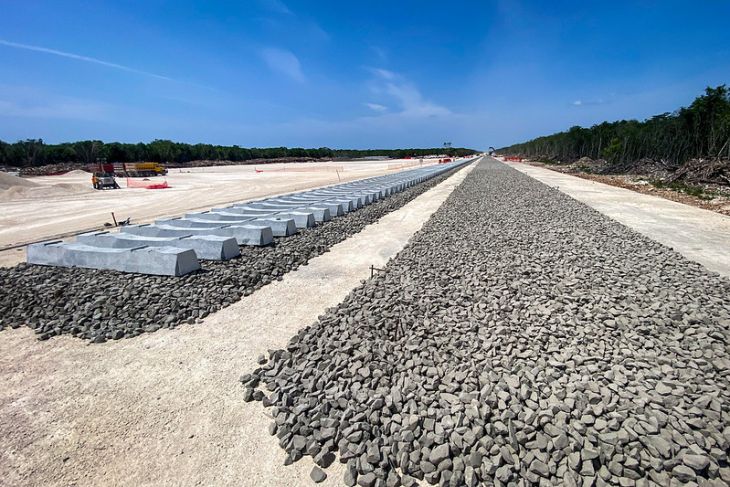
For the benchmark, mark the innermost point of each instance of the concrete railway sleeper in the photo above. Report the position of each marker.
(103, 305)
(282, 215)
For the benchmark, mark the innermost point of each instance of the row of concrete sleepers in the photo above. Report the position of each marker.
(175, 246)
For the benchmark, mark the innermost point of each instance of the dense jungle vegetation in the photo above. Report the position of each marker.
(34, 152)
(699, 131)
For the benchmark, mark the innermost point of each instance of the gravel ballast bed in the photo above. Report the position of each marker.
(104, 305)
(521, 338)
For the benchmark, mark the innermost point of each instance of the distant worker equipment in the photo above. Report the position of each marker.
(139, 169)
(102, 177)
(130, 169)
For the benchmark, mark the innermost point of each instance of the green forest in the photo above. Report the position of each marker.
(701, 130)
(34, 152)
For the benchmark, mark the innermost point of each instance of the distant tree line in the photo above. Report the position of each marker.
(701, 130)
(34, 152)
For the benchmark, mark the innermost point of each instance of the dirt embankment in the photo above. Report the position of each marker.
(56, 169)
(8, 181)
(13, 188)
(697, 183)
(713, 172)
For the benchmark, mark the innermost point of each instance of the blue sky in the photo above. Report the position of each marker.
(349, 74)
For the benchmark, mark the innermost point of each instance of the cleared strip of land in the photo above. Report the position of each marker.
(699, 235)
(166, 408)
(521, 338)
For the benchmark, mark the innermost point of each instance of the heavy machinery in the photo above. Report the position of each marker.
(104, 180)
(139, 169)
(102, 176)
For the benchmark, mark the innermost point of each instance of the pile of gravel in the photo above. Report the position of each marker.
(103, 305)
(521, 338)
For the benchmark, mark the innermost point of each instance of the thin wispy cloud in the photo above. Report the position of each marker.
(317, 32)
(282, 61)
(276, 6)
(59, 109)
(413, 102)
(376, 107)
(582, 103)
(29, 102)
(279, 17)
(405, 94)
(79, 57)
(381, 53)
(383, 73)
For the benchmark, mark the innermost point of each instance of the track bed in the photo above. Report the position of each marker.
(520, 335)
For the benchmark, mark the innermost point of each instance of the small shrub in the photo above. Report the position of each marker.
(696, 191)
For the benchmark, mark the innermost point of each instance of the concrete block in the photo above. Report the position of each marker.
(320, 214)
(357, 201)
(256, 234)
(264, 205)
(336, 207)
(281, 227)
(220, 217)
(245, 210)
(302, 219)
(346, 205)
(161, 261)
(194, 223)
(207, 247)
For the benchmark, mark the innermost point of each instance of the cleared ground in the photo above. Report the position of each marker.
(166, 408)
(51, 211)
(699, 235)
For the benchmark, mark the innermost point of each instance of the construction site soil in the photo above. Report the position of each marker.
(715, 198)
(521, 338)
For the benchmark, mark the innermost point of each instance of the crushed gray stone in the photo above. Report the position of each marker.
(521, 338)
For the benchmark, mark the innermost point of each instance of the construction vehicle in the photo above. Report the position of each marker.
(139, 169)
(104, 180)
(102, 176)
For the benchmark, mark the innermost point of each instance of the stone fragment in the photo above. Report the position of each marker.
(317, 475)
(683, 473)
